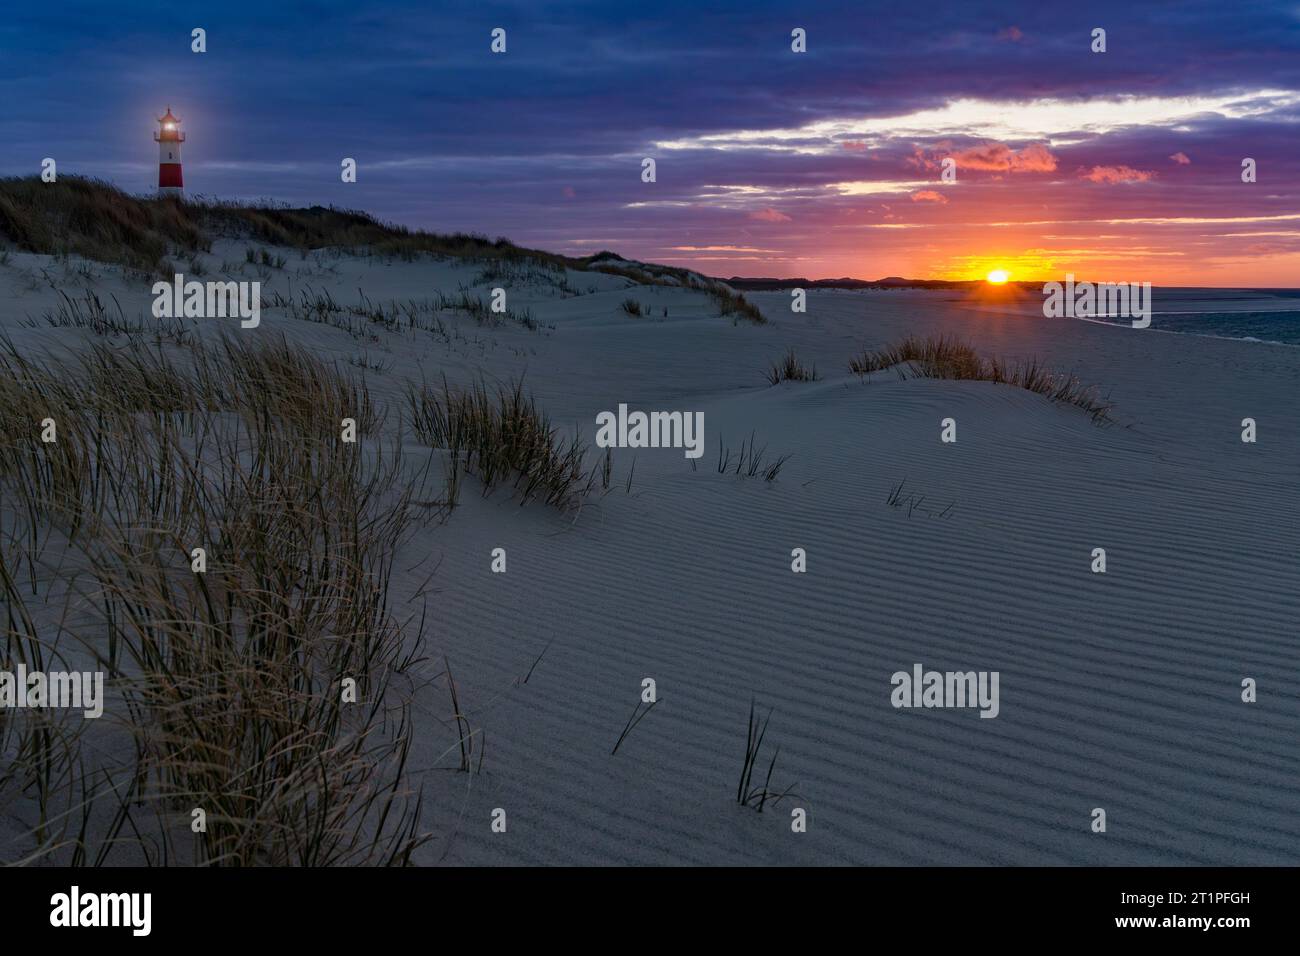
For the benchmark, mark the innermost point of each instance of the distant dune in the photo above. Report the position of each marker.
(889, 282)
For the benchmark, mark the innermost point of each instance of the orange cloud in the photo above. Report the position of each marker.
(1000, 157)
(769, 215)
(853, 144)
(1181, 159)
(1011, 33)
(929, 195)
(1118, 174)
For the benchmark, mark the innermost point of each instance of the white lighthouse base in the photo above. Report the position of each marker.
(177, 192)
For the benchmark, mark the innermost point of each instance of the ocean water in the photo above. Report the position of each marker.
(1255, 315)
(1259, 315)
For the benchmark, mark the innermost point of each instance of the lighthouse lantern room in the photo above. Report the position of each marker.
(169, 139)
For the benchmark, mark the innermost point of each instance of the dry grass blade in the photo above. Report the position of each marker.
(748, 795)
(632, 721)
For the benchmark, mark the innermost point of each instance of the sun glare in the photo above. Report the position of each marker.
(998, 276)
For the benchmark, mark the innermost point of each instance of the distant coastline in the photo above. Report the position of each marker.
(766, 283)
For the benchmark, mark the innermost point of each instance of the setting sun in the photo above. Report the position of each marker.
(998, 276)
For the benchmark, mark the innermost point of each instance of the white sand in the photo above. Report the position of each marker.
(1119, 691)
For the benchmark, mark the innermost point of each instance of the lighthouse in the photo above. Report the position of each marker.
(169, 139)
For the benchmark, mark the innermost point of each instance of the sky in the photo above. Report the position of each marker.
(1117, 166)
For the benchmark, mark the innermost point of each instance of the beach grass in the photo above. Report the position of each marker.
(231, 680)
(946, 357)
(499, 435)
(790, 369)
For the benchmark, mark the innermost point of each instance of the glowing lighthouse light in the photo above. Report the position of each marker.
(169, 139)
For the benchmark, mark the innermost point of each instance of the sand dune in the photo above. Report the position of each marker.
(1118, 690)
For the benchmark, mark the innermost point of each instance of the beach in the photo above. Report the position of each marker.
(1120, 690)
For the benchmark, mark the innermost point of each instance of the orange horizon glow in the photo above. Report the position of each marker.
(1111, 244)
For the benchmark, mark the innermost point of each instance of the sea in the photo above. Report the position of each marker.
(1255, 315)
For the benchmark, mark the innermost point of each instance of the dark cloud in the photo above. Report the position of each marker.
(544, 143)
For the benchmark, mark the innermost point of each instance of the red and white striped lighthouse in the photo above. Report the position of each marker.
(169, 139)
